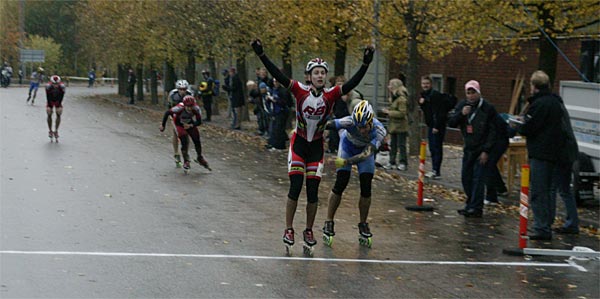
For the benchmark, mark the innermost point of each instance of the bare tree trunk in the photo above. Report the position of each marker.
(286, 57)
(190, 69)
(139, 72)
(241, 70)
(413, 80)
(122, 77)
(212, 68)
(548, 53)
(153, 85)
(169, 77)
(340, 53)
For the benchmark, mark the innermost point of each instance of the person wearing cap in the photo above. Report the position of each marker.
(476, 119)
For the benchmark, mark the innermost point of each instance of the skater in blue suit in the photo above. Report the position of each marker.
(360, 138)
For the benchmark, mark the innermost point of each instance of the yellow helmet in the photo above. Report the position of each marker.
(362, 115)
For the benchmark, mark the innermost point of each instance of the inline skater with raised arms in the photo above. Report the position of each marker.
(55, 92)
(313, 104)
(186, 119)
(359, 142)
(175, 97)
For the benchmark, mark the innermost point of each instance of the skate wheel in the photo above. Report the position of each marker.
(187, 171)
(308, 250)
(328, 240)
(288, 250)
(368, 242)
(178, 164)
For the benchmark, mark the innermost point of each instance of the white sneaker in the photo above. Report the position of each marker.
(389, 166)
(433, 175)
(402, 167)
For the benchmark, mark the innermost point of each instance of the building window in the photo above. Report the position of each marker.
(590, 59)
(451, 83)
(437, 82)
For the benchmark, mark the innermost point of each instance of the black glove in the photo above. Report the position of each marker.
(368, 56)
(257, 47)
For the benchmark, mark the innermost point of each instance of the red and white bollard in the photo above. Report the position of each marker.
(524, 206)
(420, 206)
(523, 212)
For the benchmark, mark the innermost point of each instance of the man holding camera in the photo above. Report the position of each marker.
(476, 119)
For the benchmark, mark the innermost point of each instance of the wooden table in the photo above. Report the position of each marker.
(514, 157)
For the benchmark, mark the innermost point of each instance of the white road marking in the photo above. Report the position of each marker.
(281, 258)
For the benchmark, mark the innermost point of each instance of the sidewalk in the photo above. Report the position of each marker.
(451, 165)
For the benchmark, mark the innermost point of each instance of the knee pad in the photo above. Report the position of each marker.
(312, 190)
(341, 182)
(296, 181)
(365, 184)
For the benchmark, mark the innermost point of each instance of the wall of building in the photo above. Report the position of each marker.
(496, 77)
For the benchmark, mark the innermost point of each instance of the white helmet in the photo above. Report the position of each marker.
(182, 84)
(55, 79)
(316, 62)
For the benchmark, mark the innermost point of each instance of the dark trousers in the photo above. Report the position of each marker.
(278, 136)
(540, 199)
(436, 148)
(130, 92)
(494, 180)
(334, 140)
(263, 120)
(207, 102)
(561, 184)
(473, 180)
(398, 141)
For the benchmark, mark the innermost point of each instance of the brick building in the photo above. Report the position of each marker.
(497, 78)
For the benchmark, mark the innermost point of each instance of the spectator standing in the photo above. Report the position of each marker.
(264, 113)
(91, 78)
(435, 109)
(206, 93)
(280, 98)
(397, 123)
(131, 80)
(476, 119)
(234, 87)
(543, 129)
(20, 77)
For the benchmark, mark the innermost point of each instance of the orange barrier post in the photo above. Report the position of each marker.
(524, 206)
(523, 212)
(420, 206)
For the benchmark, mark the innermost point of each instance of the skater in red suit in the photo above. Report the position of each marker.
(186, 119)
(55, 92)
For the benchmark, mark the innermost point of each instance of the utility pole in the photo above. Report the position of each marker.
(21, 33)
(375, 43)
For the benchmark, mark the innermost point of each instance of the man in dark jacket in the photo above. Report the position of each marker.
(543, 129)
(236, 89)
(476, 119)
(435, 108)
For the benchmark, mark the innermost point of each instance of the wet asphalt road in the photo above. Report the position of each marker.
(104, 213)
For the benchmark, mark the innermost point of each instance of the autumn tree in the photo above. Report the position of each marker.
(545, 21)
(411, 30)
